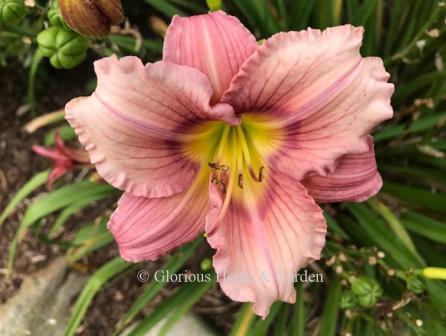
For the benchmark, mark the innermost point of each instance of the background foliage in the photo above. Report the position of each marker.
(376, 251)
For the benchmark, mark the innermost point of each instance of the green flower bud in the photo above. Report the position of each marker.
(415, 283)
(214, 5)
(56, 19)
(92, 17)
(367, 291)
(206, 264)
(348, 300)
(12, 11)
(65, 49)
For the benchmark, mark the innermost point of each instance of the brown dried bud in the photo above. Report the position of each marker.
(92, 17)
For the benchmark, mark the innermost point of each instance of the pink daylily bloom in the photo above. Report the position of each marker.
(237, 140)
(64, 158)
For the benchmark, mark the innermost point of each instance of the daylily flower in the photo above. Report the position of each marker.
(64, 158)
(238, 140)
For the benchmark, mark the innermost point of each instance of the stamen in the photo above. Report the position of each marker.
(261, 173)
(260, 176)
(216, 166)
(240, 181)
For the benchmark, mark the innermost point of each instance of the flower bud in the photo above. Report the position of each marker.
(367, 291)
(214, 5)
(92, 17)
(347, 300)
(12, 11)
(415, 283)
(56, 19)
(65, 49)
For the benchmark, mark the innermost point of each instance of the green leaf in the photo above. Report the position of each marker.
(374, 229)
(93, 286)
(365, 12)
(435, 15)
(260, 327)
(417, 197)
(396, 21)
(299, 312)
(244, 320)
(281, 321)
(330, 313)
(74, 208)
(420, 125)
(165, 7)
(66, 133)
(88, 231)
(395, 225)
(129, 44)
(334, 226)
(35, 182)
(300, 14)
(407, 88)
(194, 292)
(197, 8)
(424, 175)
(173, 307)
(424, 226)
(153, 288)
(52, 202)
(91, 238)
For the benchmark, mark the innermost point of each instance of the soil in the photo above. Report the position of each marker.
(18, 164)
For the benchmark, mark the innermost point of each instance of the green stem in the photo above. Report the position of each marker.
(18, 31)
(37, 58)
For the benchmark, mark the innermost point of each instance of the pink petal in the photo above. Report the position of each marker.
(216, 44)
(50, 153)
(57, 172)
(317, 89)
(262, 242)
(146, 228)
(136, 123)
(356, 178)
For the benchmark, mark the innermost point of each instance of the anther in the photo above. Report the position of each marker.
(216, 166)
(240, 181)
(260, 176)
(261, 173)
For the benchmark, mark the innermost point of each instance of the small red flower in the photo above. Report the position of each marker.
(64, 158)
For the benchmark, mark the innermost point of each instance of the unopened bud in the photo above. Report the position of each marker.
(214, 5)
(367, 291)
(347, 300)
(65, 49)
(12, 11)
(92, 17)
(206, 264)
(415, 283)
(56, 19)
